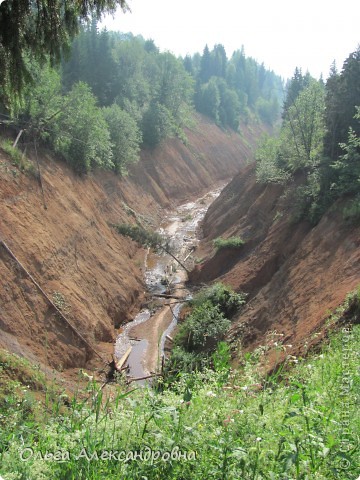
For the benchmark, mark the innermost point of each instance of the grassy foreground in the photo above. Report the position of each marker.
(302, 424)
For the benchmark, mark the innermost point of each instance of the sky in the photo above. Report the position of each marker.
(282, 34)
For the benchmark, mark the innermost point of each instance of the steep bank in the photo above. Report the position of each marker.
(293, 272)
(93, 274)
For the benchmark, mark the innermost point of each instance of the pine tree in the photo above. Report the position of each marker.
(294, 87)
(218, 61)
(342, 97)
(205, 66)
(332, 113)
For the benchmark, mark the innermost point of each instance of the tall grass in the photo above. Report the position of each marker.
(205, 425)
(17, 157)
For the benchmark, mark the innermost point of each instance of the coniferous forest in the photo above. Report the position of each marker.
(318, 141)
(113, 93)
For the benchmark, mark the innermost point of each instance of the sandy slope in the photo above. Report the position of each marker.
(293, 272)
(74, 254)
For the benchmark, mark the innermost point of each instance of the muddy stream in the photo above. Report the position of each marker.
(147, 333)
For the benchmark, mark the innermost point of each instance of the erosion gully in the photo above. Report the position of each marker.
(147, 333)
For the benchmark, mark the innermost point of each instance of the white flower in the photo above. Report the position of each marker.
(258, 439)
(244, 388)
(210, 394)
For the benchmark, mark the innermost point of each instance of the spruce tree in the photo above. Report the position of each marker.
(40, 29)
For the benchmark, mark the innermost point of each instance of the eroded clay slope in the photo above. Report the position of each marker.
(293, 272)
(72, 252)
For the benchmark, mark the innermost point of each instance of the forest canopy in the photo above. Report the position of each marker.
(112, 94)
(115, 93)
(319, 140)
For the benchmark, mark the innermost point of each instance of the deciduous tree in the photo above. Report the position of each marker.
(125, 137)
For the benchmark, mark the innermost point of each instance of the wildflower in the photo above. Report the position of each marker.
(210, 394)
(258, 439)
(244, 388)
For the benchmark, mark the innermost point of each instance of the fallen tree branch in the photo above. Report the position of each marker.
(144, 378)
(166, 295)
(148, 238)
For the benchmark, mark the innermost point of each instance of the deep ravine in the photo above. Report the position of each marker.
(146, 334)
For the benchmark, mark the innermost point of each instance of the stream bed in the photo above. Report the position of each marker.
(162, 273)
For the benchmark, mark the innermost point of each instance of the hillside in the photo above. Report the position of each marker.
(293, 273)
(93, 274)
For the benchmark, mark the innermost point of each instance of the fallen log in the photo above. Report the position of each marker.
(129, 380)
(166, 295)
(119, 364)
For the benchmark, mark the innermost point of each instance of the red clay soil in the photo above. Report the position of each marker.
(75, 255)
(294, 273)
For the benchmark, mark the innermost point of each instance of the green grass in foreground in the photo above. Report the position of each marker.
(211, 425)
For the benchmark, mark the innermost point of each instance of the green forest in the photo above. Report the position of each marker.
(318, 146)
(114, 93)
(111, 94)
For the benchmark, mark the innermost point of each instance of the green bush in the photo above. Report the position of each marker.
(182, 361)
(222, 296)
(199, 337)
(231, 242)
(203, 328)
